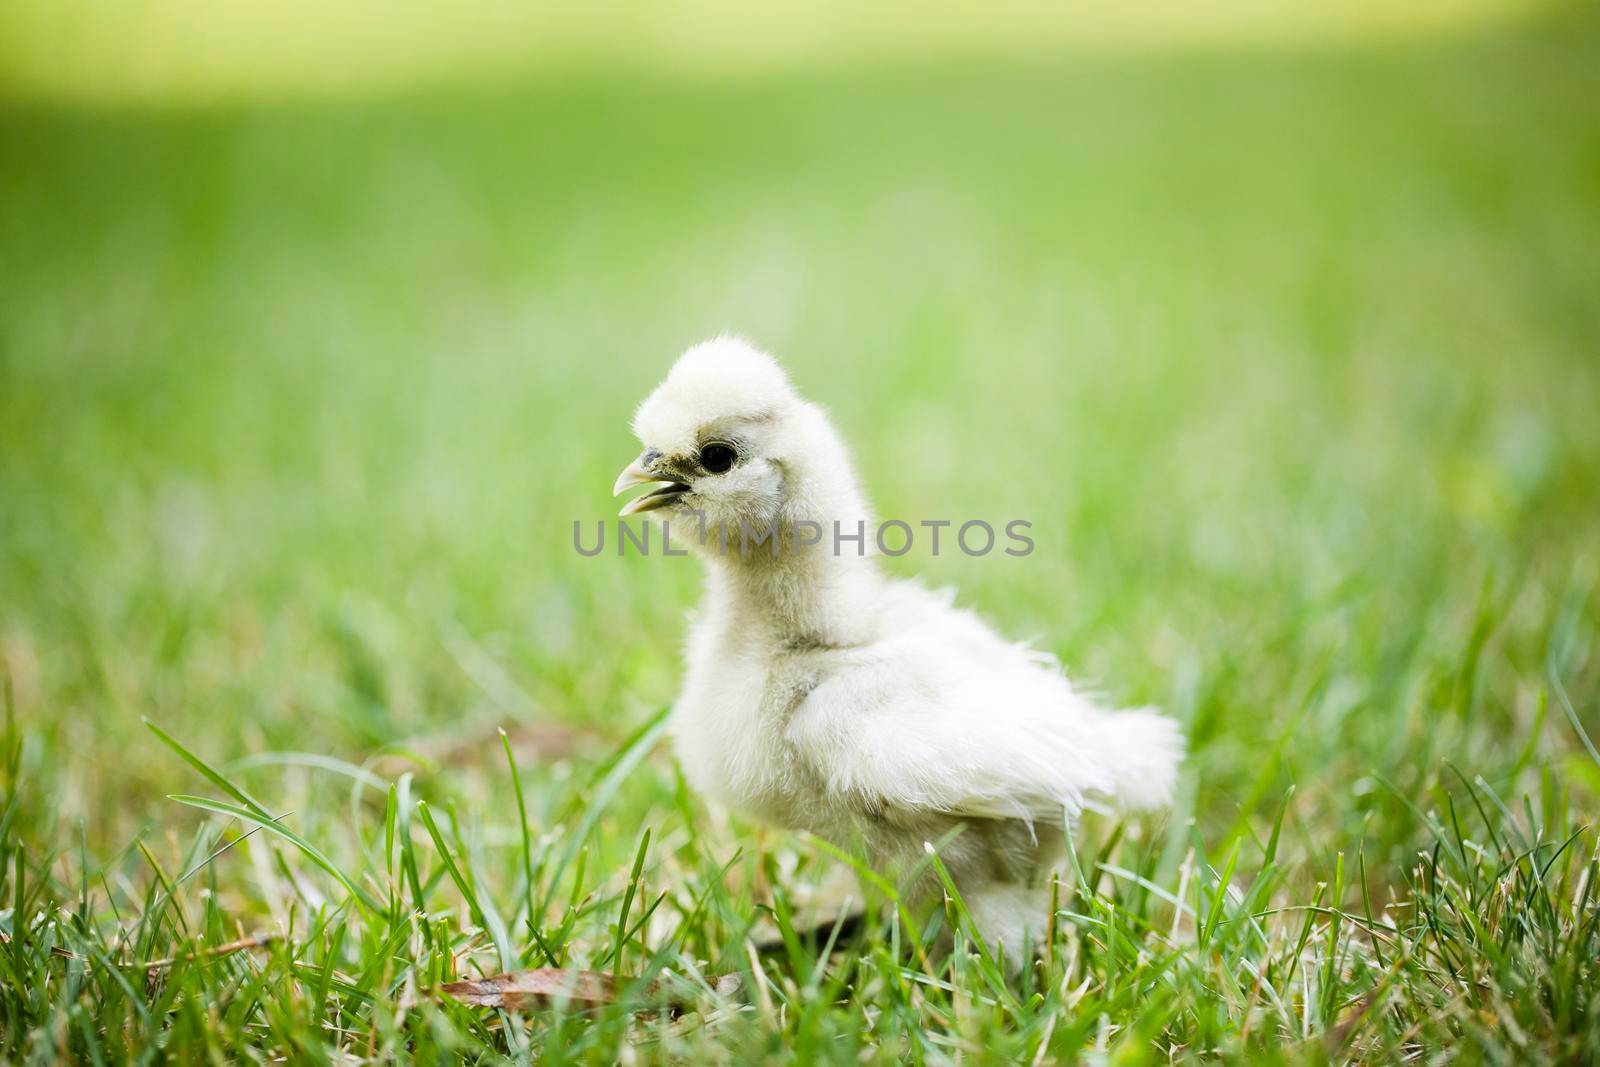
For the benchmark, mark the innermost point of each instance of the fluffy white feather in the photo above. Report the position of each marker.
(821, 695)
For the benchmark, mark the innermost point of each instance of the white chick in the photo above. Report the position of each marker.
(821, 695)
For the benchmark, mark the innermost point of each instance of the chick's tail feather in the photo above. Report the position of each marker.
(1146, 748)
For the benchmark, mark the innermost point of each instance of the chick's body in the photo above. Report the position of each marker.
(824, 696)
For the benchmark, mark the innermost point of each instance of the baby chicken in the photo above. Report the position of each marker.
(822, 695)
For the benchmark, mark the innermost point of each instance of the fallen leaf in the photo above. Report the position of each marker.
(550, 985)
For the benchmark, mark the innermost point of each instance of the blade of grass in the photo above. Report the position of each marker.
(271, 825)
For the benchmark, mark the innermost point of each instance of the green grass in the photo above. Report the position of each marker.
(1289, 358)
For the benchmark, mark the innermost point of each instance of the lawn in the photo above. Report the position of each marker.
(1288, 355)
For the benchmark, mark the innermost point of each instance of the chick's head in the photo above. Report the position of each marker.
(717, 437)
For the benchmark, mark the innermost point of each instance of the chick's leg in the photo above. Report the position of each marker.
(1012, 917)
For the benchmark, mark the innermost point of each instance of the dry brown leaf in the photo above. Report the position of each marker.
(548, 985)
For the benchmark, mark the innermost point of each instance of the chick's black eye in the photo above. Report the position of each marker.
(717, 458)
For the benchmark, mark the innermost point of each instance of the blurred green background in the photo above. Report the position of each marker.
(1281, 329)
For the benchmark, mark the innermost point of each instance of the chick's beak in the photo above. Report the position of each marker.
(640, 472)
(633, 474)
